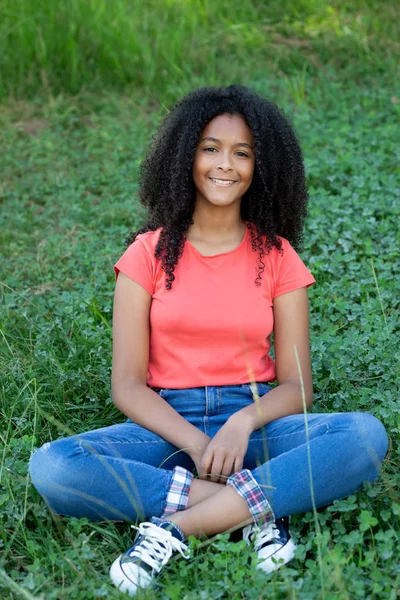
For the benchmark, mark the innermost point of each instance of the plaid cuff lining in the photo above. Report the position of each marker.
(247, 487)
(178, 493)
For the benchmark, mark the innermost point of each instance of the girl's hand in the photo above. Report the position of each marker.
(196, 453)
(225, 453)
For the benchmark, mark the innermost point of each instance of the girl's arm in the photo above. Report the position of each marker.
(131, 330)
(291, 330)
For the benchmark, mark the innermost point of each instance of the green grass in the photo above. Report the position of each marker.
(68, 197)
(165, 47)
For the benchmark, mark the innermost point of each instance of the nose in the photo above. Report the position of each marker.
(225, 163)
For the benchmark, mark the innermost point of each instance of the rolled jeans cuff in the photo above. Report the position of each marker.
(178, 493)
(247, 487)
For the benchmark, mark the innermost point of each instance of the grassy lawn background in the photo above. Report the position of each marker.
(72, 140)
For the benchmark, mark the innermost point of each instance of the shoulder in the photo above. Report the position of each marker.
(284, 252)
(291, 272)
(138, 261)
(285, 246)
(276, 254)
(144, 246)
(274, 251)
(148, 240)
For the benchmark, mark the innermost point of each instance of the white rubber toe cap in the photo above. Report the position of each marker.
(280, 554)
(125, 580)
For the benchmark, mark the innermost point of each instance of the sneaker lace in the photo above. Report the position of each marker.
(156, 546)
(260, 535)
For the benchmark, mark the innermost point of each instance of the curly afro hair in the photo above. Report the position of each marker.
(275, 203)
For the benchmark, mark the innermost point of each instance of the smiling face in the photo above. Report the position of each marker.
(224, 161)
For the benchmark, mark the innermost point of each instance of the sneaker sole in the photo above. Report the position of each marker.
(282, 556)
(121, 581)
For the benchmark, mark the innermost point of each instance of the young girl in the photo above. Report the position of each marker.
(199, 291)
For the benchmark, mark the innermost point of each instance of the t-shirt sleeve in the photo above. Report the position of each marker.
(138, 264)
(292, 273)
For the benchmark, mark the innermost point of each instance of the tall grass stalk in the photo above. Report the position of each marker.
(378, 291)
(310, 474)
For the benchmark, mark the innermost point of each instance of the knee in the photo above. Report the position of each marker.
(371, 434)
(39, 464)
(47, 466)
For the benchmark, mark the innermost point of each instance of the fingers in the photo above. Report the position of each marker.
(205, 465)
(221, 468)
(217, 466)
(238, 464)
(227, 470)
(211, 466)
(216, 469)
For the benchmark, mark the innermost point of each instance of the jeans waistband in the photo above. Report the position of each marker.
(211, 400)
(158, 389)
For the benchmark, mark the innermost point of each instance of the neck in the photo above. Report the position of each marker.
(216, 221)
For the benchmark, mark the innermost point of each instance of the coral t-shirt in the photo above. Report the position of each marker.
(214, 326)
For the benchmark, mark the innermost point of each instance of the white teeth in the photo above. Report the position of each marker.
(225, 182)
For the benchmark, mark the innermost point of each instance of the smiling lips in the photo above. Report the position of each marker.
(222, 182)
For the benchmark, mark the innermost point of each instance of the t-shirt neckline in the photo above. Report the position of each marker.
(238, 247)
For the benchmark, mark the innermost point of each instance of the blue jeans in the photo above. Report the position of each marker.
(123, 472)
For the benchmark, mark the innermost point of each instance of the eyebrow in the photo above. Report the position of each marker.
(211, 139)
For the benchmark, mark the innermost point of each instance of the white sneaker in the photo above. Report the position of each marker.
(152, 549)
(272, 542)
